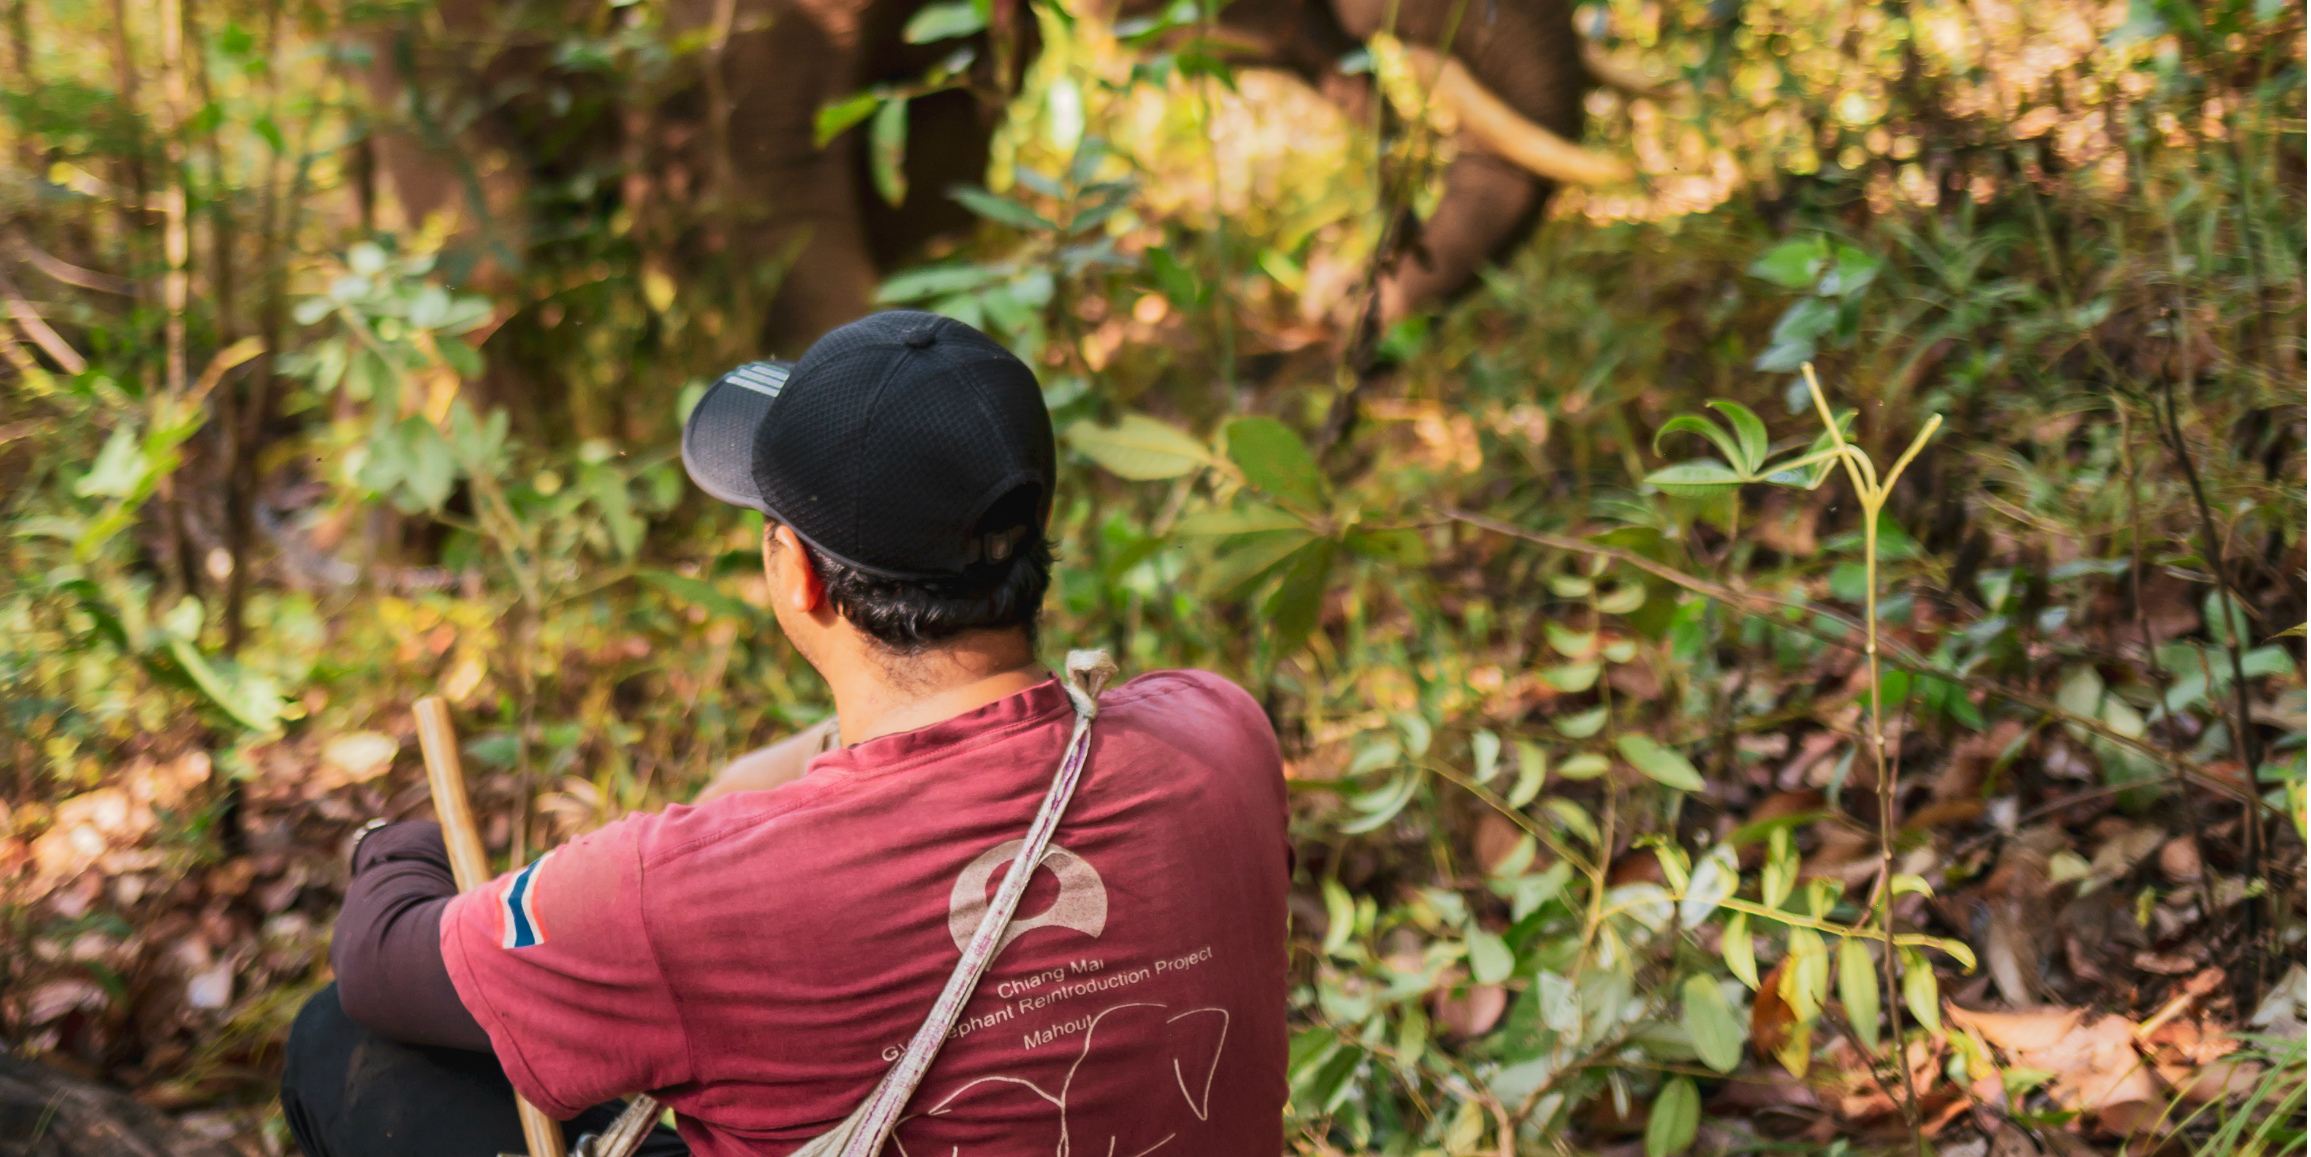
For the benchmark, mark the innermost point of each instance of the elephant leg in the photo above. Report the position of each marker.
(1527, 54)
(828, 282)
(1488, 205)
(787, 205)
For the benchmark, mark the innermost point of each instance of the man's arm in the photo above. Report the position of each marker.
(771, 766)
(387, 946)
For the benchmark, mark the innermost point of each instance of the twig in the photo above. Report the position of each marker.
(36, 327)
(2244, 737)
(67, 272)
(1895, 655)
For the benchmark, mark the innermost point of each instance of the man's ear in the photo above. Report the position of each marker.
(794, 586)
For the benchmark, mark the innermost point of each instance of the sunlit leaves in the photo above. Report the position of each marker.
(1274, 460)
(1660, 764)
(1532, 772)
(1582, 724)
(1858, 989)
(1740, 955)
(1717, 1034)
(944, 21)
(1675, 1118)
(1139, 448)
(1489, 959)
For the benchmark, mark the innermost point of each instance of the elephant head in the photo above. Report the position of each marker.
(737, 132)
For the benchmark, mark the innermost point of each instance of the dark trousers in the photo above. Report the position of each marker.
(348, 1092)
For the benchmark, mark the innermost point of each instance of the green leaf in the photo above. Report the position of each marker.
(1583, 725)
(1484, 751)
(887, 150)
(1402, 545)
(1796, 335)
(1697, 424)
(121, 469)
(1807, 980)
(1572, 678)
(1411, 1037)
(1716, 1032)
(1000, 210)
(836, 116)
(1139, 448)
(1749, 430)
(1568, 586)
(1676, 1117)
(1382, 805)
(1793, 264)
(1250, 559)
(1921, 991)
(1703, 478)
(1299, 598)
(1489, 958)
(1661, 764)
(1575, 820)
(1740, 954)
(700, 592)
(1586, 765)
(1528, 893)
(1275, 460)
(1858, 988)
(607, 488)
(1568, 642)
(940, 281)
(251, 699)
(1340, 917)
(1532, 769)
(1715, 878)
(936, 22)
(1623, 599)
(1249, 519)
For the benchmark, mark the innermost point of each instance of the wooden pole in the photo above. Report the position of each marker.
(446, 776)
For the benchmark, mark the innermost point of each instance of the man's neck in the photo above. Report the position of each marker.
(878, 694)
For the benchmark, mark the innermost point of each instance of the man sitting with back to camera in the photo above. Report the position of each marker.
(760, 958)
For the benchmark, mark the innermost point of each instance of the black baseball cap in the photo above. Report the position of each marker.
(906, 444)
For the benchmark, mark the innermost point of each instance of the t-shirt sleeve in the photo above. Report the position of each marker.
(555, 962)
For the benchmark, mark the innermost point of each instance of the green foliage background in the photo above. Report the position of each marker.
(1537, 672)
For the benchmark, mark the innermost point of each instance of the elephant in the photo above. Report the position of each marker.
(739, 128)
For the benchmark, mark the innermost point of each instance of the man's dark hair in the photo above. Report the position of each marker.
(909, 615)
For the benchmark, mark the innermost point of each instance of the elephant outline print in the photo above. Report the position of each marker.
(1195, 1094)
(1194, 1038)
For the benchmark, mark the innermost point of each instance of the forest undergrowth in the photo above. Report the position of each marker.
(1806, 657)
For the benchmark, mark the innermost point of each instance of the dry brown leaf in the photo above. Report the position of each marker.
(58, 997)
(2096, 1068)
(1473, 1011)
(1771, 1017)
(1970, 761)
(2213, 1081)
(1496, 838)
(2179, 860)
(2011, 1141)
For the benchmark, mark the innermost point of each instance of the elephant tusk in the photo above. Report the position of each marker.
(1505, 132)
(1619, 77)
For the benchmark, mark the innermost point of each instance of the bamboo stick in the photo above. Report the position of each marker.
(446, 776)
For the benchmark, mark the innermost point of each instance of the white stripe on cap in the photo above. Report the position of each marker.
(761, 377)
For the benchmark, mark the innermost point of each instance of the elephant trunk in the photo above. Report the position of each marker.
(1508, 134)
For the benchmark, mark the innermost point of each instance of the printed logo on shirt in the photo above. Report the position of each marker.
(518, 907)
(1081, 906)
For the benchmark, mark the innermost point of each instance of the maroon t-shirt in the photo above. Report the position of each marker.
(759, 960)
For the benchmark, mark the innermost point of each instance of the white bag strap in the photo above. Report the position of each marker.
(863, 1133)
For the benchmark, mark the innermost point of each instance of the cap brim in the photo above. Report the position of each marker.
(719, 439)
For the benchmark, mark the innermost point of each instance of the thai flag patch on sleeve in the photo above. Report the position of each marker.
(518, 906)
